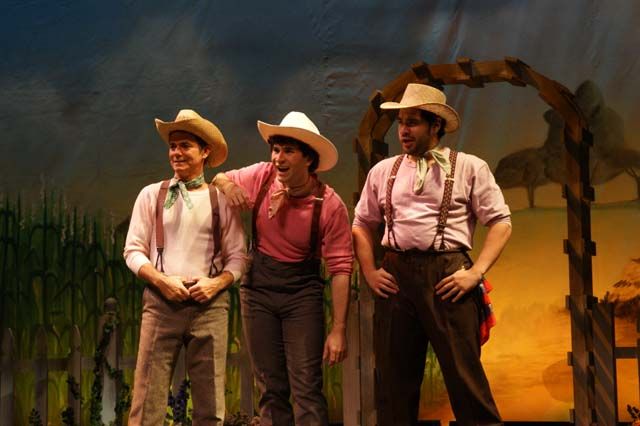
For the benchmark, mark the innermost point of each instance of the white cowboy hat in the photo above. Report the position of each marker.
(298, 126)
(429, 99)
(190, 121)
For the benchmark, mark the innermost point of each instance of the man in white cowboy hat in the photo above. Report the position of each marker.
(297, 220)
(187, 243)
(427, 290)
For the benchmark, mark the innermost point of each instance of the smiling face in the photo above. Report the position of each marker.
(292, 166)
(187, 155)
(416, 135)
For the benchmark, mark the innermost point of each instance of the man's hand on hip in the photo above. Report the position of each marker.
(458, 284)
(381, 282)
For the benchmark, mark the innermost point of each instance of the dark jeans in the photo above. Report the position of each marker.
(407, 322)
(283, 320)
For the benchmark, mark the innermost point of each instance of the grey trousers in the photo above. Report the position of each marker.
(165, 328)
(283, 320)
(407, 322)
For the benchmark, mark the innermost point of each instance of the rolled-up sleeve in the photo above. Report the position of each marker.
(337, 244)
(487, 200)
(368, 213)
(250, 177)
(138, 242)
(234, 246)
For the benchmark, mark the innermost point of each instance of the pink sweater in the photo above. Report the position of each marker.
(476, 196)
(285, 237)
(188, 235)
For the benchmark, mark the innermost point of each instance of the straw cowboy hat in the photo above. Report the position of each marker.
(429, 99)
(298, 126)
(190, 121)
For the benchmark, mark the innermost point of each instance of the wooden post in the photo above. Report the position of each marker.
(367, 358)
(74, 369)
(351, 412)
(7, 358)
(41, 373)
(606, 392)
(579, 248)
(638, 353)
(109, 390)
(246, 379)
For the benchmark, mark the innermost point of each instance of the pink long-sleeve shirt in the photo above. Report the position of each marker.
(475, 197)
(285, 237)
(188, 235)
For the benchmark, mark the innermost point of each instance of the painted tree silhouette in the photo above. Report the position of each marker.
(610, 156)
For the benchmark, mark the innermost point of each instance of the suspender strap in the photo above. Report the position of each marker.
(215, 223)
(162, 195)
(215, 226)
(446, 201)
(388, 208)
(256, 206)
(315, 220)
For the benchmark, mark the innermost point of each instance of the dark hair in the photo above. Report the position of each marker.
(432, 118)
(201, 143)
(306, 150)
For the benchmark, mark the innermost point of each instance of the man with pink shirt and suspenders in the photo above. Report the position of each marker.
(189, 246)
(297, 220)
(427, 289)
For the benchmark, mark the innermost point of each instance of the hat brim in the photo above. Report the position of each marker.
(449, 114)
(202, 128)
(327, 152)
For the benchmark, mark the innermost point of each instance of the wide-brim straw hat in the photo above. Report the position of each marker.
(190, 121)
(298, 126)
(429, 99)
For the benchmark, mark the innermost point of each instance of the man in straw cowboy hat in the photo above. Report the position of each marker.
(427, 289)
(297, 220)
(187, 243)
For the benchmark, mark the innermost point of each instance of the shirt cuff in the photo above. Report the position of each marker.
(137, 261)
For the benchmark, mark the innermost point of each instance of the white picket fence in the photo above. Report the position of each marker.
(76, 365)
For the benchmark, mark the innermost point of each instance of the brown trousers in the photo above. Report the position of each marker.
(283, 320)
(166, 327)
(407, 322)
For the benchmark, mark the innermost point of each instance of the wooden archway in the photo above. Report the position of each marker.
(594, 389)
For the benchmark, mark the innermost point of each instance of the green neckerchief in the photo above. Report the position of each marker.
(422, 167)
(183, 188)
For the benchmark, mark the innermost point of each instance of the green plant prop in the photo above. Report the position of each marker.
(34, 418)
(68, 414)
(101, 364)
(178, 405)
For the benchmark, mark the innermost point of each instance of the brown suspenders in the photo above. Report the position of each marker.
(215, 222)
(446, 201)
(315, 218)
(388, 209)
(318, 199)
(444, 206)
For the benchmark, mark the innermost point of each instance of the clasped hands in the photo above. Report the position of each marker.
(200, 289)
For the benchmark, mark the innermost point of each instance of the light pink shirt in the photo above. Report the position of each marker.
(476, 197)
(188, 235)
(286, 236)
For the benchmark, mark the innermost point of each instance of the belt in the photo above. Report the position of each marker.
(418, 252)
